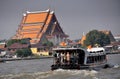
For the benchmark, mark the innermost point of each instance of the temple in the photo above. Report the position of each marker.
(40, 25)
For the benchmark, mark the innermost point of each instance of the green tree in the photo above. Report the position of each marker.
(47, 43)
(23, 52)
(95, 37)
(23, 41)
(12, 41)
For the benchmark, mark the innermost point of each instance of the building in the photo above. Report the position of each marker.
(117, 38)
(39, 26)
(108, 32)
(41, 50)
(17, 46)
(82, 40)
(3, 51)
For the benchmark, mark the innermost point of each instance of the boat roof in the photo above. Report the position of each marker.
(96, 49)
(71, 48)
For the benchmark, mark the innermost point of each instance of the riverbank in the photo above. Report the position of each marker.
(25, 58)
(41, 57)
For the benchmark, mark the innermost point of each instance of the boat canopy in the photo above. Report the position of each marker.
(67, 48)
(77, 50)
(96, 49)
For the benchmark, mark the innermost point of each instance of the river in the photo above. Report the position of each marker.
(40, 69)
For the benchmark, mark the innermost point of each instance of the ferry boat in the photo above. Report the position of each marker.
(78, 58)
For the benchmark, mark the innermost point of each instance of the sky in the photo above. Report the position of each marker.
(75, 16)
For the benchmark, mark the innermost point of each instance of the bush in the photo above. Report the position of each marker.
(23, 52)
(12, 41)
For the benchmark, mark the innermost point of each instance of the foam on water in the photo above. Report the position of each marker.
(37, 75)
(116, 66)
(77, 72)
(59, 73)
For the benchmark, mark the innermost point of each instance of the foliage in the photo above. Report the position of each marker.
(95, 37)
(23, 52)
(12, 41)
(47, 43)
(23, 41)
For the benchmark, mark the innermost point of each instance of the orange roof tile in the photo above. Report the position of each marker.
(31, 27)
(31, 35)
(36, 17)
(49, 18)
(82, 40)
(34, 25)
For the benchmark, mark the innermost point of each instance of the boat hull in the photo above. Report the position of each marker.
(78, 67)
(69, 66)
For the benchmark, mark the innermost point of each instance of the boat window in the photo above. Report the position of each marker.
(96, 51)
(81, 56)
(69, 57)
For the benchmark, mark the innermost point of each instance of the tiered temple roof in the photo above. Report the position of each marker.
(38, 25)
(108, 32)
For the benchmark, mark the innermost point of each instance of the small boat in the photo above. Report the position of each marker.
(78, 58)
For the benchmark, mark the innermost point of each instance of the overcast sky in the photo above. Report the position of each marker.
(74, 16)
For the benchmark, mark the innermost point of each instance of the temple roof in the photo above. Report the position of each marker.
(35, 24)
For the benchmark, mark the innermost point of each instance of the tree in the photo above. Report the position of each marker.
(47, 43)
(23, 52)
(95, 37)
(12, 41)
(19, 53)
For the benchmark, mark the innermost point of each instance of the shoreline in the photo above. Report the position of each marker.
(30, 58)
(42, 57)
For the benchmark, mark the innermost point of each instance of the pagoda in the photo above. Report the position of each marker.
(40, 25)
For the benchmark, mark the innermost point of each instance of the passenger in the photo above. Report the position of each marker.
(78, 58)
(68, 57)
(58, 58)
(72, 58)
(62, 58)
(65, 58)
(55, 56)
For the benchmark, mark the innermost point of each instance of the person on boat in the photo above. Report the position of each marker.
(65, 58)
(62, 58)
(58, 58)
(55, 57)
(68, 57)
(72, 58)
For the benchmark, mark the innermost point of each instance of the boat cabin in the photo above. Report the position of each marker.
(97, 56)
(68, 57)
(78, 58)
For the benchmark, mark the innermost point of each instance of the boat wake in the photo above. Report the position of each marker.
(61, 74)
(57, 74)
(77, 72)
(116, 66)
(36, 75)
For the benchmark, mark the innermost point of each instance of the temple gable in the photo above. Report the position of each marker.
(40, 25)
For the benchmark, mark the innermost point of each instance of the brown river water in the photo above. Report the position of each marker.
(40, 69)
